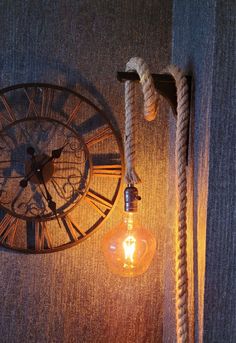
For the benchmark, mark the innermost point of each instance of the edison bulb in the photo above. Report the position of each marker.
(129, 248)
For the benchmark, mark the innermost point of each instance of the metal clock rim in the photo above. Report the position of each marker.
(57, 87)
(121, 153)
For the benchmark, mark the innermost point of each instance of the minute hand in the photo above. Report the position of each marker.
(51, 204)
(39, 174)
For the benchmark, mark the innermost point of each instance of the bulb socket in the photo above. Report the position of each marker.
(131, 199)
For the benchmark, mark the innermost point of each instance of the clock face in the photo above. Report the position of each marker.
(65, 178)
(61, 165)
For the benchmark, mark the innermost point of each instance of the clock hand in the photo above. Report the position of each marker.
(51, 204)
(56, 153)
(30, 150)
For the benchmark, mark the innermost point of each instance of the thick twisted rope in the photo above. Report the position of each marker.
(180, 160)
(150, 106)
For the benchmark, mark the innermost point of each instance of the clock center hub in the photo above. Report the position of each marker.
(39, 164)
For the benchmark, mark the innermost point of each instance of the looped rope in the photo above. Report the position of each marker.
(150, 106)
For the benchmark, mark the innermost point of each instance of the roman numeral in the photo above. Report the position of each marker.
(47, 99)
(97, 201)
(74, 232)
(32, 107)
(74, 113)
(42, 238)
(10, 117)
(100, 135)
(107, 171)
(8, 226)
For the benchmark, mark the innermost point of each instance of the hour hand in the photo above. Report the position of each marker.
(30, 151)
(56, 153)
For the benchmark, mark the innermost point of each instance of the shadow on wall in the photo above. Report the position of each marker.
(54, 72)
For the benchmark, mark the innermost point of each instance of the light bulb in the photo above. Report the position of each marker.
(129, 248)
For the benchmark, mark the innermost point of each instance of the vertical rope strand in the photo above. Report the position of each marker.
(150, 109)
(180, 161)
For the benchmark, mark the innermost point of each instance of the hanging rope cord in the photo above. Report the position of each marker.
(131, 176)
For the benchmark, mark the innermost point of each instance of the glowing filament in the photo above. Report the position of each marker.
(129, 246)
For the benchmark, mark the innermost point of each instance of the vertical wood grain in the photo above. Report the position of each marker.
(220, 276)
(204, 44)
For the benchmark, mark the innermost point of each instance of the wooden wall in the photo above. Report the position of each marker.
(204, 44)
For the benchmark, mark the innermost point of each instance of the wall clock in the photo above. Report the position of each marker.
(61, 165)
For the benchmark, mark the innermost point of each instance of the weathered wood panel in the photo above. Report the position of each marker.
(220, 277)
(204, 44)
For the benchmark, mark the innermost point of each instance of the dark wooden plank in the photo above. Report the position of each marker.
(209, 58)
(220, 277)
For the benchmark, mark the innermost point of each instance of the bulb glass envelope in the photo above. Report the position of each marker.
(129, 248)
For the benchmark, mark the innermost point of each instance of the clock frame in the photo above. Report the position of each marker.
(36, 119)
